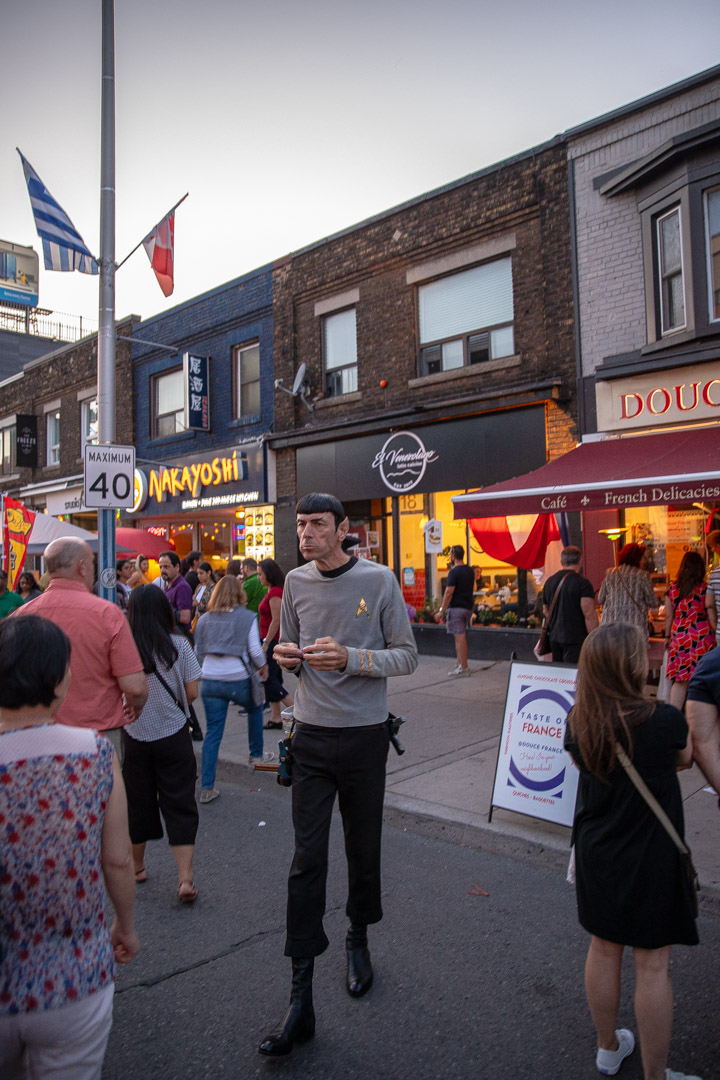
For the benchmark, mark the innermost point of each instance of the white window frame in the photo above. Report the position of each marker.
(341, 371)
(709, 257)
(156, 417)
(8, 429)
(666, 331)
(241, 412)
(53, 448)
(84, 424)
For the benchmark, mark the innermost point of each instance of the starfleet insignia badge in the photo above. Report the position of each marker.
(362, 607)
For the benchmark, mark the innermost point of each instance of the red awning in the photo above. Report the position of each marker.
(610, 474)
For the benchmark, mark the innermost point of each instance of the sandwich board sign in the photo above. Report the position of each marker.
(534, 774)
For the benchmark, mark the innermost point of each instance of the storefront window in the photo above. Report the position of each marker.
(181, 533)
(667, 532)
(424, 575)
(216, 541)
(260, 533)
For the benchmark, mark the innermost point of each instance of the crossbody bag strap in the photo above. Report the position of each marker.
(546, 624)
(650, 799)
(165, 686)
(628, 592)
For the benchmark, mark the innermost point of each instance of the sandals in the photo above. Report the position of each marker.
(141, 875)
(273, 725)
(190, 895)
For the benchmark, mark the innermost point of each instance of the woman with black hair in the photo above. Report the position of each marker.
(201, 596)
(27, 586)
(62, 804)
(158, 760)
(690, 624)
(273, 579)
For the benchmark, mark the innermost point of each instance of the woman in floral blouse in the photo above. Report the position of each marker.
(64, 829)
(627, 593)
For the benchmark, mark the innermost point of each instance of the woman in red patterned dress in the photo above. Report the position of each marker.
(690, 623)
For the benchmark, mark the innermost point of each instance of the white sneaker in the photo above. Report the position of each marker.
(463, 672)
(208, 794)
(670, 1074)
(608, 1062)
(262, 760)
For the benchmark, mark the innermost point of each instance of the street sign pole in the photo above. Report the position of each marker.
(106, 322)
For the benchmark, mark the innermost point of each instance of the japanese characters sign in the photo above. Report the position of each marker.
(196, 370)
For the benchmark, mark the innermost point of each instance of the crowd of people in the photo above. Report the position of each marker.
(74, 817)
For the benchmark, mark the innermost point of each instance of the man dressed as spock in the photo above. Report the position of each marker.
(343, 630)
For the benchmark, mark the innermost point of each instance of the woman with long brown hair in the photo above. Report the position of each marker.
(632, 888)
(690, 624)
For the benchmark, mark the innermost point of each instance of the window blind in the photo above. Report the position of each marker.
(470, 300)
(340, 339)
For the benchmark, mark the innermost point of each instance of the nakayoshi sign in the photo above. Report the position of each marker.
(205, 482)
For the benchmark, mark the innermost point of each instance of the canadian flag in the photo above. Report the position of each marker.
(160, 247)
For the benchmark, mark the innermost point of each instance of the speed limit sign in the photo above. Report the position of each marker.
(109, 476)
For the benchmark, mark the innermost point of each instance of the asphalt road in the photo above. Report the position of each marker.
(484, 986)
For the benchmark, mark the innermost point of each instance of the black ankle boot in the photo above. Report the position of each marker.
(298, 1023)
(359, 968)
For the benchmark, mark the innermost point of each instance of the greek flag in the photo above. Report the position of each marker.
(63, 247)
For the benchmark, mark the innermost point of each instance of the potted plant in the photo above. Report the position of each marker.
(427, 613)
(484, 616)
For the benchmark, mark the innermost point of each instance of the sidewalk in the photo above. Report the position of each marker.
(444, 780)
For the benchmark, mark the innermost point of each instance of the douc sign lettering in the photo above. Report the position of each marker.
(660, 400)
(686, 394)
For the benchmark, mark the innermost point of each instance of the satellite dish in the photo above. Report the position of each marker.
(299, 379)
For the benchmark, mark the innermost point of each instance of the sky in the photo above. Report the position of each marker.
(289, 120)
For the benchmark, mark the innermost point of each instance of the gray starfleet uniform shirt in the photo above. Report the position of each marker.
(361, 608)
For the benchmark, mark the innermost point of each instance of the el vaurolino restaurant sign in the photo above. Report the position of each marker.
(444, 456)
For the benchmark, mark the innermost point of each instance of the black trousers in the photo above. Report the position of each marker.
(325, 761)
(566, 654)
(160, 778)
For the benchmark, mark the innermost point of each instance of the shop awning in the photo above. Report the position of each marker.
(610, 474)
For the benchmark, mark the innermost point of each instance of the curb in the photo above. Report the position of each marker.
(522, 843)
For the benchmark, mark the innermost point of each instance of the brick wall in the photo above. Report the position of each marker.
(237, 313)
(526, 197)
(59, 376)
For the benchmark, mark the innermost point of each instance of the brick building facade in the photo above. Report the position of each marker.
(231, 326)
(445, 323)
(57, 394)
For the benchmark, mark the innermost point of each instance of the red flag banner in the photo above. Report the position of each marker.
(17, 526)
(519, 540)
(160, 247)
